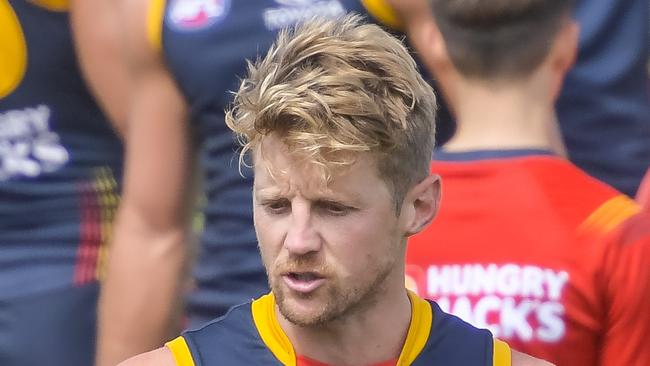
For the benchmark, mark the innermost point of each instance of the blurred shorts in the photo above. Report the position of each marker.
(55, 328)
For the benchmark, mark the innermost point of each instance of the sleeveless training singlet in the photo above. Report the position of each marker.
(59, 159)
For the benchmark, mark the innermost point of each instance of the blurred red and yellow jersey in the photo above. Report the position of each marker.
(552, 261)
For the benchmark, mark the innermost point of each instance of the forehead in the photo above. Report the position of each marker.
(277, 167)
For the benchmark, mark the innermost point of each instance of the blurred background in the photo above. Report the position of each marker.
(124, 218)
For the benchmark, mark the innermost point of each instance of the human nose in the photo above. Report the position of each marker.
(302, 238)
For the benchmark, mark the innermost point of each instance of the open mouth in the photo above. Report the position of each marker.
(304, 276)
(303, 282)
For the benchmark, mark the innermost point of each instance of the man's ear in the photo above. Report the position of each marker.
(431, 48)
(433, 53)
(421, 204)
(566, 45)
(563, 53)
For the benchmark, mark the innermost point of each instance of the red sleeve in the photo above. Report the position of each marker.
(626, 285)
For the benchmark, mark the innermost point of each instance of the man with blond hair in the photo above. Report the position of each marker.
(340, 127)
(183, 57)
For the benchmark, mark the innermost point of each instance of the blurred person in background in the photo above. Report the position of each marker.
(526, 244)
(60, 164)
(340, 125)
(184, 56)
(603, 109)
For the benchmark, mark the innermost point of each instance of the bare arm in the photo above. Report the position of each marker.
(142, 289)
(160, 357)
(522, 359)
(98, 40)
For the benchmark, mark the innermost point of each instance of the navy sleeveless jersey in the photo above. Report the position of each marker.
(250, 334)
(59, 159)
(205, 45)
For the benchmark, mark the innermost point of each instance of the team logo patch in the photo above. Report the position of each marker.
(197, 14)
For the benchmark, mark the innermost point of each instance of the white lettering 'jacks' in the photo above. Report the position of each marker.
(28, 147)
(511, 300)
(291, 12)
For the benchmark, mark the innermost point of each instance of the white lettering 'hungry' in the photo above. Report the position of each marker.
(505, 280)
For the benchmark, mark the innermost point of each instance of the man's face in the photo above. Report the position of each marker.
(328, 249)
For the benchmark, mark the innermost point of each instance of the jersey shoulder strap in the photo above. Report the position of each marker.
(384, 13)
(180, 351)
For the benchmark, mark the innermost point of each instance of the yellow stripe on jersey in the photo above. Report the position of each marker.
(278, 343)
(107, 190)
(609, 215)
(501, 354)
(418, 332)
(267, 325)
(13, 62)
(53, 5)
(155, 15)
(180, 351)
(384, 13)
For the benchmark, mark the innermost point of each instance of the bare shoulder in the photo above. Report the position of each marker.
(160, 357)
(522, 359)
(141, 30)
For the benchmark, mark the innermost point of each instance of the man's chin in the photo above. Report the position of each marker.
(303, 310)
(303, 318)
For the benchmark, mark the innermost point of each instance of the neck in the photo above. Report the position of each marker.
(512, 116)
(368, 336)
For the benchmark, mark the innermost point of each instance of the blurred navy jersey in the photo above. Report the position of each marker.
(59, 159)
(205, 44)
(604, 109)
(250, 334)
(53, 328)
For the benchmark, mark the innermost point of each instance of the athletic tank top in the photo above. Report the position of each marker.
(250, 334)
(59, 159)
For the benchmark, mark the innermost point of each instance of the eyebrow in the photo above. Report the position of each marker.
(271, 194)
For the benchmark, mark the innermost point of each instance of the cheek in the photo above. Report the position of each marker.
(358, 245)
(270, 236)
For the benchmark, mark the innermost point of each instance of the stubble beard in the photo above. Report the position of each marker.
(338, 301)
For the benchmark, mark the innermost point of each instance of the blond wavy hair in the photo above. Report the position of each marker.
(331, 89)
